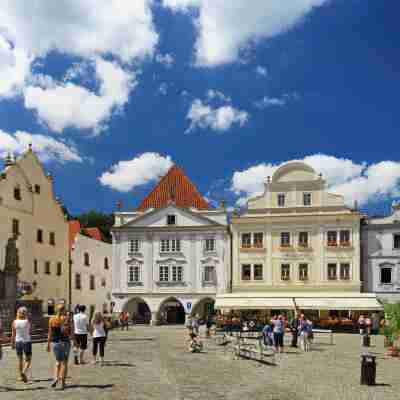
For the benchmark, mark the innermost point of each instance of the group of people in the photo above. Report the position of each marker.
(66, 331)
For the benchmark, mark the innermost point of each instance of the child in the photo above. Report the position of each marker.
(195, 346)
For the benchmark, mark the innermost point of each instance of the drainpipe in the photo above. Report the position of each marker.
(231, 259)
(70, 281)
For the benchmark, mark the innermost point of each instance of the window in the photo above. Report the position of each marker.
(303, 239)
(177, 273)
(86, 259)
(386, 275)
(52, 238)
(134, 273)
(171, 220)
(345, 271)
(209, 245)
(78, 282)
(106, 266)
(59, 269)
(37, 189)
(170, 245)
(164, 273)
(306, 199)
(39, 236)
(396, 241)
(209, 274)
(35, 267)
(258, 272)
(285, 239)
(285, 272)
(134, 246)
(17, 193)
(246, 240)
(281, 200)
(332, 275)
(345, 238)
(15, 227)
(332, 238)
(303, 272)
(47, 268)
(258, 240)
(103, 282)
(92, 282)
(246, 272)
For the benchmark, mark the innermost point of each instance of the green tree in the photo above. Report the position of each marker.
(95, 219)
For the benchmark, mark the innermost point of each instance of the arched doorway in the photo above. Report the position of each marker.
(138, 310)
(204, 308)
(171, 312)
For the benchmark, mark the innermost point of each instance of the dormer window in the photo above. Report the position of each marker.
(17, 193)
(281, 200)
(171, 220)
(306, 199)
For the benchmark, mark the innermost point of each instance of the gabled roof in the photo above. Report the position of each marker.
(94, 233)
(75, 228)
(174, 187)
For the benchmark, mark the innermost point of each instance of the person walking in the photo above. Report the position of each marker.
(60, 331)
(81, 326)
(278, 333)
(21, 341)
(195, 324)
(189, 324)
(294, 328)
(268, 335)
(98, 331)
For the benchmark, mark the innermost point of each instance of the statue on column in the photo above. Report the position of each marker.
(11, 270)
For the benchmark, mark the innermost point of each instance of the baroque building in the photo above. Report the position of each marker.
(30, 213)
(381, 256)
(91, 268)
(296, 246)
(171, 255)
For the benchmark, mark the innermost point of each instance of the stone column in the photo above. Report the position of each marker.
(154, 319)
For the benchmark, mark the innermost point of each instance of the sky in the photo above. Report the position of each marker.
(112, 93)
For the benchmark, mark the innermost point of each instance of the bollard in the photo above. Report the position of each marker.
(368, 369)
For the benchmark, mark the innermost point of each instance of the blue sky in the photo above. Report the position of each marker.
(111, 94)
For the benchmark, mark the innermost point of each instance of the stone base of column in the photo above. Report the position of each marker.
(154, 319)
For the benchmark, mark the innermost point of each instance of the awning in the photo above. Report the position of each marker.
(302, 301)
(317, 303)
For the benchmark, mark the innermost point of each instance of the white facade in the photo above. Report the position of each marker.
(156, 262)
(381, 256)
(91, 273)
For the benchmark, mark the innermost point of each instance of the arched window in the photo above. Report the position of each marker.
(106, 266)
(86, 259)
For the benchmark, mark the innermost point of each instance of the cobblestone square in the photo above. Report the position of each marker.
(153, 363)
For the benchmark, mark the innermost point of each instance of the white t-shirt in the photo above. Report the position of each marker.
(98, 330)
(22, 330)
(81, 324)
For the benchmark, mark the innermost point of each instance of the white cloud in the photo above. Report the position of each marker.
(227, 27)
(260, 70)
(215, 94)
(166, 59)
(64, 105)
(220, 119)
(47, 148)
(270, 102)
(163, 89)
(143, 169)
(355, 181)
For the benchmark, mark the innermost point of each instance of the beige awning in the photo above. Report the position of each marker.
(338, 303)
(254, 303)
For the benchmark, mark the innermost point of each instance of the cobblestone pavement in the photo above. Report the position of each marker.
(153, 363)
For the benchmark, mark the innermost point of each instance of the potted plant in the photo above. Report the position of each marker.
(392, 328)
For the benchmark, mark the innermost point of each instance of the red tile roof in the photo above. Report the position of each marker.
(94, 233)
(175, 187)
(74, 229)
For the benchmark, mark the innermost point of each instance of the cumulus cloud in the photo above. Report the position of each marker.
(47, 148)
(145, 168)
(355, 181)
(225, 28)
(216, 94)
(63, 105)
(266, 102)
(167, 59)
(260, 70)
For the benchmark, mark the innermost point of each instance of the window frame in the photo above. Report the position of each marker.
(177, 273)
(307, 242)
(35, 266)
(170, 245)
(15, 227)
(391, 275)
(279, 197)
(134, 246)
(47, 267)
(78, 281)
(344, 277)
(344, 243)
(207, 247)
(39, 235)
(17, 193)
(333, 267)
(92, 282)
(163, 273)
(245, 244)
(134, 271)
(106, 264)
(309, 194)
(332, 243)
(285, 276)
(282, 244)
(396, 238)
(258, 244)
(260, 277)
(86, 259)
(211, 270)
(171, 219)
(242, 268)
(59, 269)
(37, 188)
(304, 277)
(52, 238)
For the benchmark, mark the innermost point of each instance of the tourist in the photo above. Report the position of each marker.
(60, 331)
(305, 331)
(195, 346)
(21, 341)
(189, 324)
(98, 331)
(268, 335)
(278, 332)
(375, 324)
(107, 323)
(209, 323)
(294, 328)
(195, 324)
(362, 326)
(81, 326)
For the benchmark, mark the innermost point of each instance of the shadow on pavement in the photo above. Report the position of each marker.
(28, 389)
(117, 364)
(107, 386)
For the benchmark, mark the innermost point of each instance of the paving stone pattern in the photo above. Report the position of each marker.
(162, 369)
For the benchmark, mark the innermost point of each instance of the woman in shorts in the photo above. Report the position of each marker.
(60, 331)
(21, 342)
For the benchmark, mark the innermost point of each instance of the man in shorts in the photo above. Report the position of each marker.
(81, 329)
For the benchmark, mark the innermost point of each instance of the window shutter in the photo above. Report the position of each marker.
(203, 274)
(214, 275)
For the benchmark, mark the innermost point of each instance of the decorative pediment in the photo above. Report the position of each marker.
(134, 260)
(386, 264)
(171, 260)
(209, 260)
